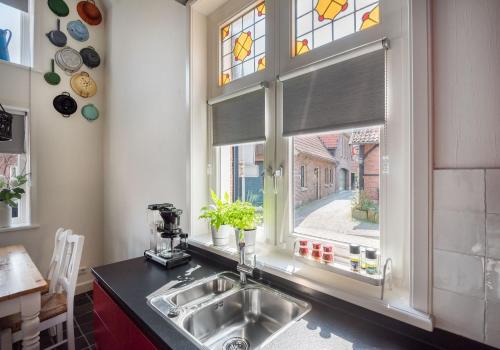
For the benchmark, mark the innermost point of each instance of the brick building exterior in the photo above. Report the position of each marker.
(314, 170)
(338, 146)
(366, 143)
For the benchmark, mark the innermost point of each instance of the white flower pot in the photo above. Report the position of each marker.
(5, 214)
(249, 237)
(220, 237)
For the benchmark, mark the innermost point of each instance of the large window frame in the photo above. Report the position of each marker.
(415, 78)
(26, 38)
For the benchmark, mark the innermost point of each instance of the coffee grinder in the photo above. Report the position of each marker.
(164, 220)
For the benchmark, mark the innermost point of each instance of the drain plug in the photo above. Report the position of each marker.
(236, 343)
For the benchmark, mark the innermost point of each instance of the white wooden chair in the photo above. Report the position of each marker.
(56, 307)
(56, 260)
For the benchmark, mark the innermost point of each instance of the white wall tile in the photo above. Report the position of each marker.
(493, 236)
(493, 324)
(493, 280)
(459, 190)
(459, 314)
(458, 231)
(459, 273)
(493, 191)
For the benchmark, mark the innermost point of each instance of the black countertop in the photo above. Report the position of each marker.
(130, 282)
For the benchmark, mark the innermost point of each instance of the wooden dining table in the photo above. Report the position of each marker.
(21, 285)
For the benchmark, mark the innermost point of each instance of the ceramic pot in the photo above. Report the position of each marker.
(5, 214)
(220, 237)
(249, 239)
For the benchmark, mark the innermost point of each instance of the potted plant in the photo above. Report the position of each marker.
(10, 191)
(242, 216)
(217, 214)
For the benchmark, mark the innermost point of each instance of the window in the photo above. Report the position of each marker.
(243, 45)
(345, 212)
(242, 175)
(319, 22)
(14, 160)
(15, 32)
(302, 177)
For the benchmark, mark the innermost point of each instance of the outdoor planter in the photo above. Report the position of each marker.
(220, 237)
(370, 215)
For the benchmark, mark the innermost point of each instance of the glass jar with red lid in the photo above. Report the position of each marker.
(316, 251)
(303, 247)
(328, 253)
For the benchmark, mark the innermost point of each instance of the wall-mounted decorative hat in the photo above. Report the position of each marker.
(68, 59)
(89, 12)
(65, 104)
(52, 77)
(83, 84)
(90, 57)
(78, 30)
(90, 112)
(5, 125)
(59, 7)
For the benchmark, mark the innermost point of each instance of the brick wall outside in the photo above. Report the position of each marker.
(308, 194)
(372, 171)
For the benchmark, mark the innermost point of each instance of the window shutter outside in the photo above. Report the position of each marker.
(21, 5)
(16, 145)
(345, 95)
(240, 119)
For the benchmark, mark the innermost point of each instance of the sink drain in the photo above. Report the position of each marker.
(236, 343)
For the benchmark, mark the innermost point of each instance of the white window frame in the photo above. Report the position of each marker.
(27, 29)
(418, 93)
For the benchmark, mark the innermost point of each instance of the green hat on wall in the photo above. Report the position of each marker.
(59, 7)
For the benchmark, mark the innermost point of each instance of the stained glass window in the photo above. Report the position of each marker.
(319, 22)
(243, 45)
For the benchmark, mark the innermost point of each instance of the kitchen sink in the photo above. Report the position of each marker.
(220, 313)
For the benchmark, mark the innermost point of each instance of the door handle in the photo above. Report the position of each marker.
(276, 174)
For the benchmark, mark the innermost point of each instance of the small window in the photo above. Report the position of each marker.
(15, 40)
(242, 175)
(243, 45)
(319, 22)
(302, 176)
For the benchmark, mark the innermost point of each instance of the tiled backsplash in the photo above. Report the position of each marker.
(466, 233)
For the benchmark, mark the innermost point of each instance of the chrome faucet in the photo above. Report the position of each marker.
(242, 268)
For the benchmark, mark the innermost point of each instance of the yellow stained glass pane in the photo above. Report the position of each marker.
(261, 9)
(301, 47)
(330, 9)
(225, 32)
(224, 78)
(243, 46)
(371, 18)
(261, 63)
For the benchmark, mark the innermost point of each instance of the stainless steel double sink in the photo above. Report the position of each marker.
(220, 313)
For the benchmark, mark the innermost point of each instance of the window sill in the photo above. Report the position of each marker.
(19, 227)
(16, 65)
(303, 189)
(275, 261)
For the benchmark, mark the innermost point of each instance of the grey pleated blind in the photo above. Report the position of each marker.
(16, 145)
(18, 4)
(345, 95)
(240, 119)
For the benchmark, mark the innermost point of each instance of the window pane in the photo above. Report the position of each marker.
(337, 186)
(332, 20)
(10, 19)
(10, 165)
(242, 175)
(244, 38)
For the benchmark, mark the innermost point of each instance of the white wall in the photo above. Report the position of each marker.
(146, 136)
(466, 56)
(67, 153)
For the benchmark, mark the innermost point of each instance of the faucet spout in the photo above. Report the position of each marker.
(242, 268)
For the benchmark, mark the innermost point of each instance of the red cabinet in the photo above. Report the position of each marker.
(113, 330)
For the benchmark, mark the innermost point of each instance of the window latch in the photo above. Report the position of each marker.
(276, 174)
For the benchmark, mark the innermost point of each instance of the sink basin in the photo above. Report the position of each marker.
(220, 313)
(242, 320)
(210, 288)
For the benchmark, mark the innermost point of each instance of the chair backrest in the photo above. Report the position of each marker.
(71, 264)
(57, 258)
